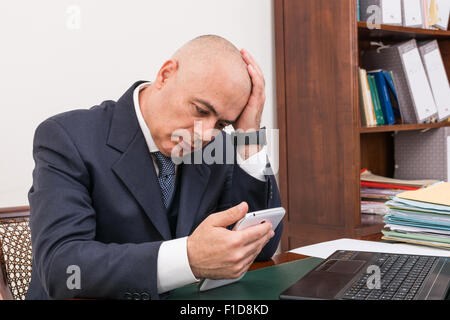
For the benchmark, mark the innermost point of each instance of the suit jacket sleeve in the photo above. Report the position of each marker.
(63, 227)
(259, 195)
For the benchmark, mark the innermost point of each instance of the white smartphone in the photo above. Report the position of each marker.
(273, 215)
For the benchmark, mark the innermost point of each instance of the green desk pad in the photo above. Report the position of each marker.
(262, 284)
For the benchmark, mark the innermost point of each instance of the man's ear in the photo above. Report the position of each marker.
(167, 71)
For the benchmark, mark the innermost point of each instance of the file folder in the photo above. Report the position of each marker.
(386, 11)
(412, 13)
(443, 14)
(437, 194)
(437, 76)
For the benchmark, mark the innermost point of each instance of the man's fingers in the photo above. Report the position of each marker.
(257, 79)
(230, 216)
(249, 60)
(253, 249)
(255, 233)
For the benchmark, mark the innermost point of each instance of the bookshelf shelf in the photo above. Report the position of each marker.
(404, 127)
(395, 33)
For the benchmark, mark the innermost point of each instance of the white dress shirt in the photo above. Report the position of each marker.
(173, 269)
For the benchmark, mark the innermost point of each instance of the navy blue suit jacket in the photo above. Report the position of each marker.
(96, 203)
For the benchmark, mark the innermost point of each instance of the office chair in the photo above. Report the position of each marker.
(15, 254)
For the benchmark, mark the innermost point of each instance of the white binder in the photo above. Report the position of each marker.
(443, 11)
(437, 76)
(418, 82)
(385, 11)
(412, 13)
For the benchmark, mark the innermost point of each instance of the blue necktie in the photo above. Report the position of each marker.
(166, 176)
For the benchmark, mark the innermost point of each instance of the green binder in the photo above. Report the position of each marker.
(376, 101)
(261, 284)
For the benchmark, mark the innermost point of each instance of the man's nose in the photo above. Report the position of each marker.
(206, 132)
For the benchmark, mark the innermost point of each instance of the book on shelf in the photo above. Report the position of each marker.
(383, 94)
(379, 114)
(393, 95)
(367, 111)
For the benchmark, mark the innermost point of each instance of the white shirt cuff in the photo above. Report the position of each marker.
(254, 165)
(173, 269)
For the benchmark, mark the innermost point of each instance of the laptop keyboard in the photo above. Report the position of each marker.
(401, 278)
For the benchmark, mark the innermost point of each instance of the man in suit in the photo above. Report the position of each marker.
(113, 215)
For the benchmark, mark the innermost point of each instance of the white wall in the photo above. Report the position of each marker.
(58, 55)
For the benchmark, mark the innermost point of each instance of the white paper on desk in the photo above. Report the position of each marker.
(439, 82)
(412, 13)
(418, 82)
(443, 13)
(392, 12)
(325, 249)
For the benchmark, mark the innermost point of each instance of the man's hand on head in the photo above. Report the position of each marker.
(250, 118)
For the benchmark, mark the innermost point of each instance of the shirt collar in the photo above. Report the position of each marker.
(145, 130)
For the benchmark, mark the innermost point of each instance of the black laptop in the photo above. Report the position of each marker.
(357, 275)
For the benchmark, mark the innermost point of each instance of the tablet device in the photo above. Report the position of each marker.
(273, 215)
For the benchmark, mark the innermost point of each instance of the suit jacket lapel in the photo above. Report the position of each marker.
(194, 180)
(135, 167)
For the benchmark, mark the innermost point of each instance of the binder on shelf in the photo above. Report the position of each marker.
(422, 155)
(412, 13)
(376, 101)
(425, 14)
(384, 11)
(393, 96)
(383, 94)
(443, 14)
(433, 16)
(437, 77)
(416, 102)
(358, 11)
(366, 104)
(362, 105)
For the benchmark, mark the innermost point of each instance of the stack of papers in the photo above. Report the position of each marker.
(376, 190)
(420, 217)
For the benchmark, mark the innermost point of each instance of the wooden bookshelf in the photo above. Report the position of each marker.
(404, 127)
(322, 145)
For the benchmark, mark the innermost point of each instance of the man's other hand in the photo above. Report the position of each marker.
(215, 252)
(250, 118)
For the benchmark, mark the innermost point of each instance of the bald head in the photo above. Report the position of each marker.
(206, 81)
(212, 54)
